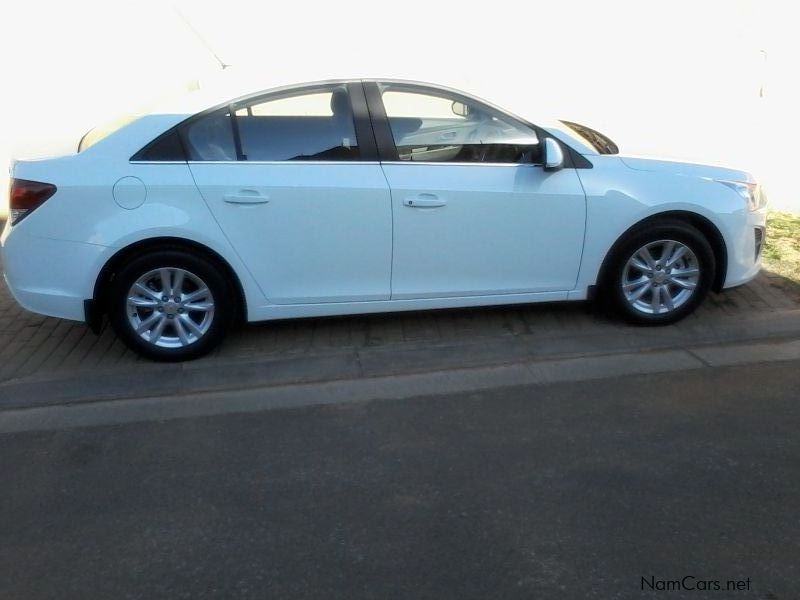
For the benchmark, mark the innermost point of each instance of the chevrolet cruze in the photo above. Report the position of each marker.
(362, 196)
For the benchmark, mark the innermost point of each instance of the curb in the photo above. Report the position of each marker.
(364, 363)
(471, 381)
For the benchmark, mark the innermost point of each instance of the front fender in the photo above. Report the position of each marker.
(618, 198)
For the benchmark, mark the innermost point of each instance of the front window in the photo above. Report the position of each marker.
(436, 126)
(306, 125)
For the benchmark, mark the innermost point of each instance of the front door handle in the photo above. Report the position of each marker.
(246, 197)
(424, 201)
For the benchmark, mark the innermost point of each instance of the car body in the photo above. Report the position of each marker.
(356, 196)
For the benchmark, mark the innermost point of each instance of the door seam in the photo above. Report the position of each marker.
(225, 235)
(391, 254)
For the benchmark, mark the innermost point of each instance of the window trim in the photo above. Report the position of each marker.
(365, 138)
(459, 163)
(281, 162)
(237, 137)
(385, 139)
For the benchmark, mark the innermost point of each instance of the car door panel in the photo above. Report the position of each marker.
(311, 233)
(305, 203)
(475, 214)
(496, 229)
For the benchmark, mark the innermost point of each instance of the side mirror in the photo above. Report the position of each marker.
(553, 155)
(460, 109)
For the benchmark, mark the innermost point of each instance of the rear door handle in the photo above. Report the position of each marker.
(246, 197)
(424, 201)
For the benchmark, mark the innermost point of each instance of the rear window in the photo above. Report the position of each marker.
(210, 137)
(103, 131)
(304, 125)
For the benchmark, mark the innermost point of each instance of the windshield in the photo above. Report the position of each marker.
(597, 140)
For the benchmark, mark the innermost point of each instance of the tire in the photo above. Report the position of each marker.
(645, 288)
(185, 326)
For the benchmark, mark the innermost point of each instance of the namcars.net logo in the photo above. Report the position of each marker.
(691, 583)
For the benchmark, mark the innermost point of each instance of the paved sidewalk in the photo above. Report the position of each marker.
(36, 348)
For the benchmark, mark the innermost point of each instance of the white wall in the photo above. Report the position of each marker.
(68, 66)
(674, 78)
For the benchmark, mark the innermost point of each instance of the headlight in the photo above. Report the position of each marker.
(750, 193)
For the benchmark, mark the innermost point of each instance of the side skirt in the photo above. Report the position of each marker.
(292, 311)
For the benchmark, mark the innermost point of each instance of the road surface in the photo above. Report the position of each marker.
(569, 490)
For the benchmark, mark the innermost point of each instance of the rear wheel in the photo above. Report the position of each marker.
(660, 274)
(170, 306)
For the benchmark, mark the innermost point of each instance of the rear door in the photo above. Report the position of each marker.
(294, 182)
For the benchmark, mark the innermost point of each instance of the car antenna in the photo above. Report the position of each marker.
(203, 41)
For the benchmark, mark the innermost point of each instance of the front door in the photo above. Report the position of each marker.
(474, 211)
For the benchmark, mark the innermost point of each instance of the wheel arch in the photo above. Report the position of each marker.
(710, 231)
(113, 264)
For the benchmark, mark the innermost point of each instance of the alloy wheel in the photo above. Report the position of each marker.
(660, 277)
(170, 307)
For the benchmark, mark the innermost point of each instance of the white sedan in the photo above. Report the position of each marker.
(362, 196)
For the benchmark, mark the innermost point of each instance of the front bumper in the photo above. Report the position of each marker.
(746, 249)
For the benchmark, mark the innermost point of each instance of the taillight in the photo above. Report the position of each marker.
(26, 196)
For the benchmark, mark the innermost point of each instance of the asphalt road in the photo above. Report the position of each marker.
(570, 490)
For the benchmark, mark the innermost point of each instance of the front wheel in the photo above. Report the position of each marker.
(170, 306)
(660, 274)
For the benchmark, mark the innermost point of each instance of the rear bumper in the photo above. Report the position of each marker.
(49, 303)
(50, 277)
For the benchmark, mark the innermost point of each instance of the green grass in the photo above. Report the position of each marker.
(782, 251)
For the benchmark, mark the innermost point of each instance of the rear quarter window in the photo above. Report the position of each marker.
(167, 147)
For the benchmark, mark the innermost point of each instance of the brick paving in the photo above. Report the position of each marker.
(36, 345)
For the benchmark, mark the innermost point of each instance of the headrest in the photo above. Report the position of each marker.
(340, 102)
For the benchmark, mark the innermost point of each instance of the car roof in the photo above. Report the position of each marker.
(222, 87)
(225, 86)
